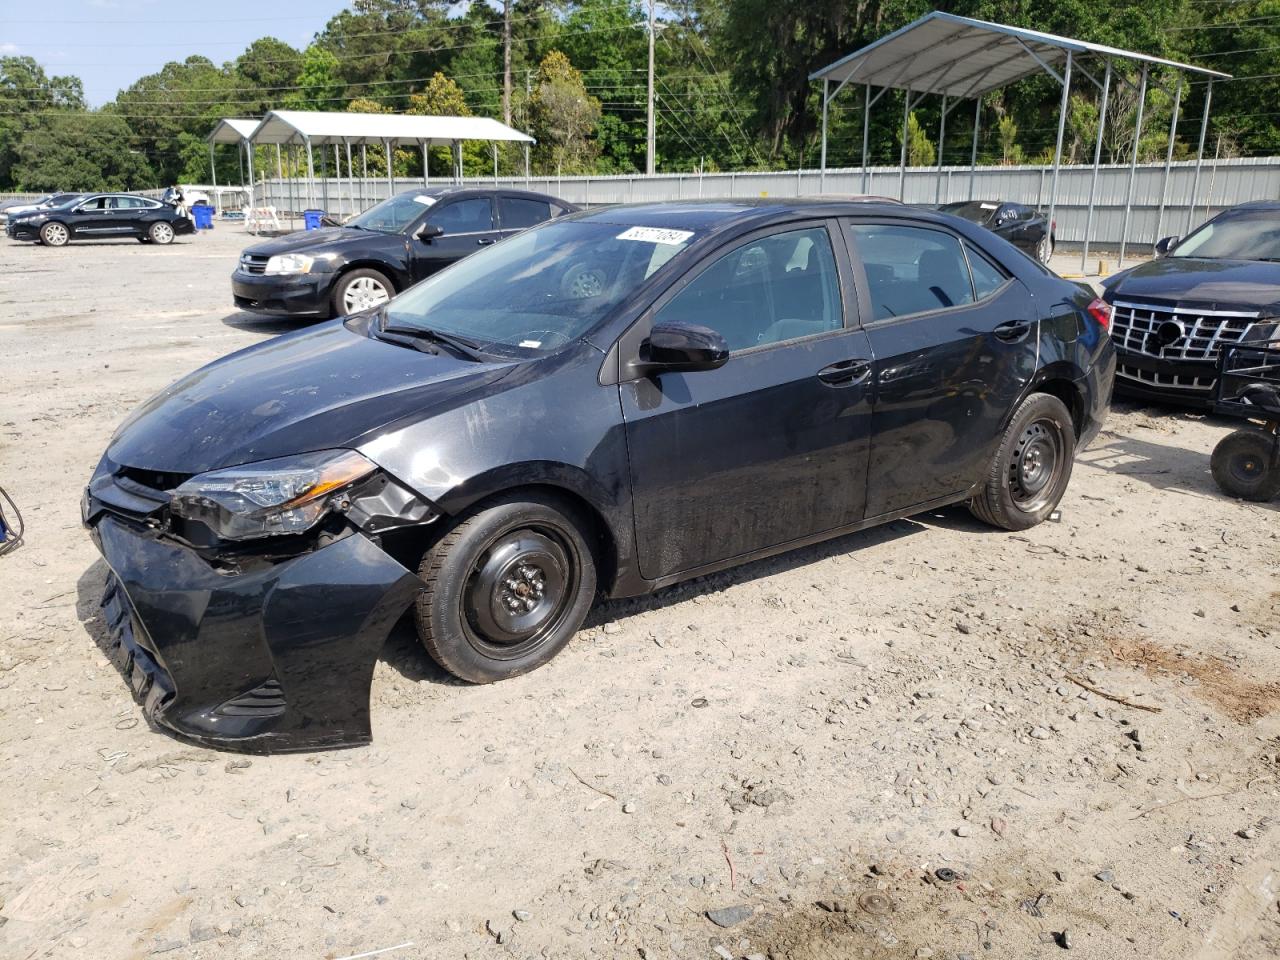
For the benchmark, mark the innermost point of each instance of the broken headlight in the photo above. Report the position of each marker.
(271, 497)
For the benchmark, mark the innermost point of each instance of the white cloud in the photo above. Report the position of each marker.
(8, 49)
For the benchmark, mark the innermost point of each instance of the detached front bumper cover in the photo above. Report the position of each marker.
(269, 656)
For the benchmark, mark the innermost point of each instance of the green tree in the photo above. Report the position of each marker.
(563, 118)
(320, 87)
(1007, 135)
(80, 151)
(264, 74)
(27, 93)
(920, 149)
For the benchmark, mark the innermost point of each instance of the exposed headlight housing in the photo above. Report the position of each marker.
(289, 263)
(272, 497)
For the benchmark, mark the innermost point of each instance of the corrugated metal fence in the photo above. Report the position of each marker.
(1223, 183)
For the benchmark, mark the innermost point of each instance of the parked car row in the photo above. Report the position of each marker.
(62, 218)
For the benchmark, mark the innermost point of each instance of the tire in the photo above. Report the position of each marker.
(361, 289)
(144, 239)
(160, 232)
(1244, 466)
(1031, 468)
(1044, 249)
(522, 549)
(54, 234)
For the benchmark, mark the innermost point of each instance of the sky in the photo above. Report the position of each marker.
(109, 44)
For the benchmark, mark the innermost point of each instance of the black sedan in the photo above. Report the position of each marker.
(1025, 227)
(1217, 286)
(363, 263)
(100, 216)
(615, 401)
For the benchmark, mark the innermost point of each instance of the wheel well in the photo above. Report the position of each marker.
(395, 279)
(1065, 391)
(408, 545)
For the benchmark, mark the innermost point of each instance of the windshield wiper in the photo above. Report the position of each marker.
(425, 335)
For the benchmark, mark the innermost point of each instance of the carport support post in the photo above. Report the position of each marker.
(1133, 165)
(293, 201)
(391, 182)
(311, 176)
(1062, 127)
(279, 169)
(351, 175)
(426, 169)
(1097, 158)
(526, 165)
(1195, 183)
(822, 161)
(973, 153)
(1168, 156)
(942, 139)
(902, 170)
(495, 162)
(866, 133)
(213, 169)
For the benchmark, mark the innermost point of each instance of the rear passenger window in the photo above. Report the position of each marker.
(987, 277)
(911, 269)
(517, 213)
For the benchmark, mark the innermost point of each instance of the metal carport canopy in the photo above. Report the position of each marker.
(959, 58)
(321, 128)
(942, 53)
(231, 130)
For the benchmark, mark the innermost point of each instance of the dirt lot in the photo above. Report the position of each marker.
(883, 747)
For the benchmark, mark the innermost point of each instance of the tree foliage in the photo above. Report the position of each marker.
(563, 118)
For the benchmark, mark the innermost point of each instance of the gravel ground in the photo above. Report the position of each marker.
(927, 740)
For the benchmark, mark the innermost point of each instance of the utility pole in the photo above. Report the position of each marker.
(649, 151)
(506, 62)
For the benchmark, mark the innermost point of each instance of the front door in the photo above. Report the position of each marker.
(771, 447)
(954, 339)
(468, 226)
(96, 218)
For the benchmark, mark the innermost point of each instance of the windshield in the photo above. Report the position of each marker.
(541, 289)
(392, 216)
(1250, 237)
(979, 211)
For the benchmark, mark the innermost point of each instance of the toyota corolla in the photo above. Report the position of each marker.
(607, 403)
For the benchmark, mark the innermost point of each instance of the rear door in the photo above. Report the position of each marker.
(129, 215)
(955, 343)
(468, 225)
(772, 447)
(93, 218)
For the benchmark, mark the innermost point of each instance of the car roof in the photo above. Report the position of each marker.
(717, 214)
(454, 191)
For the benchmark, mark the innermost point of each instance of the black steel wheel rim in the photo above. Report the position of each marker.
(519, 591)
(1246, 468)
(1036, 465)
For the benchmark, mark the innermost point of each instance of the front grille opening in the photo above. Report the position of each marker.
(263, 701)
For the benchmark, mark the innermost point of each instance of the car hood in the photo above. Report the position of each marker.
(1209, 284)
(309, 241)
(325, 387)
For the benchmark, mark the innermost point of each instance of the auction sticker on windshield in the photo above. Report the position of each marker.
(656, 235)
(424, 200)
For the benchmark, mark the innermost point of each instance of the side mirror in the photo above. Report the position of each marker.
(429, 231)
(1165, 245)
(682, 347)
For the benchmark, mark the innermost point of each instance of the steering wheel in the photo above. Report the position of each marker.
(582, 282)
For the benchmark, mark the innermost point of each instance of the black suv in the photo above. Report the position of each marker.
(1218, 286)
(614, 401)
(335, 271)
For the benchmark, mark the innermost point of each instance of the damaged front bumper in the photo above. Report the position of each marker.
(266, 657)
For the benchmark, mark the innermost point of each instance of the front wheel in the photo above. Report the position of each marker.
(160, 232)
(1244, 465)
(506, 588)
(1031, 468)
(54, 235)
(1044, 249)
(361, 289)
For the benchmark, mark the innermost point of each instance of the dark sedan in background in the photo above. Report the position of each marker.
(1172, 315)
(101, 216)
(12, 208)
(335, 271)
(617, 400)
(1025, 227)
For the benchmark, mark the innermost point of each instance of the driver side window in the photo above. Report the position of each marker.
(474, 215)
(768, 290)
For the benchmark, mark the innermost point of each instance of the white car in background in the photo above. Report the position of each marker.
(13, 207)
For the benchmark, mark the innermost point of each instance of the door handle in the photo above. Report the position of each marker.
(484, 241)
(1012, 331)
(845, 373)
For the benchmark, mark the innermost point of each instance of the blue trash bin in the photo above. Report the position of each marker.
(202, 214)
(311, 219)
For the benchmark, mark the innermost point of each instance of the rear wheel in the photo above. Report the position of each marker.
(361, 289)
(1244, 465)
(1031, 468)
(160, 232)
(506, 588)
(54, 234)
(1044, 249)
